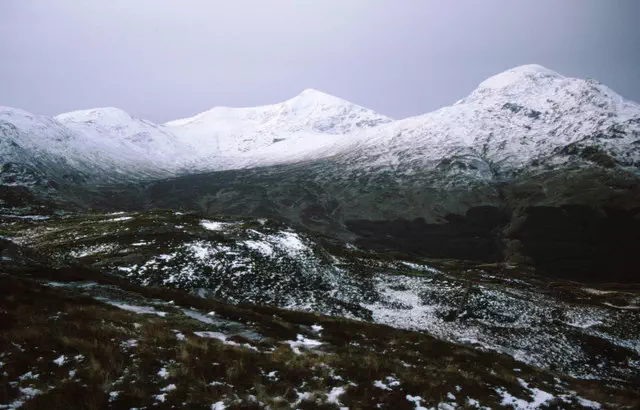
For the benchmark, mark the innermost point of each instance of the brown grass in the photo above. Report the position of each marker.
(38, 324)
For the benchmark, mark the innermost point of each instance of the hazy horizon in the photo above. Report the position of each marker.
(162, 60)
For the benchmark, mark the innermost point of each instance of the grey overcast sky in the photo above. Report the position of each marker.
(162, 60)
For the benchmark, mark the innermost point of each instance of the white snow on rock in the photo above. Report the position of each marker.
(537, 399)
(169, 388)
(26, 393)
(143, 310)
(417, 400)
(219, 405)
(130, 343)
(263, 248)
(163, 373)
(424, 268)
(334, 395)
(212, 335)
(141, 243)
(60, 360)
(27, 376)
(290, 242)
(215, 226)
(588, 403)
(92, 250)
(119, 219)
(223, 338)
(302, 341)
(381, 385)
(388, 384)
(199, 316)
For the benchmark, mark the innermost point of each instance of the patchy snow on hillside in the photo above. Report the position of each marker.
(510, 322)
(92, 250)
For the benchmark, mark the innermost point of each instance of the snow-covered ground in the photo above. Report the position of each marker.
(519, 321)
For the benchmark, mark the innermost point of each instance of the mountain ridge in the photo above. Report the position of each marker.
(524, 114)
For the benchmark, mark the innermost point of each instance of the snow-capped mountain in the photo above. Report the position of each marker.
(239, 137)
(528, 117)
(108, 143)
(525, 117)
(82, 150)
(143, 139)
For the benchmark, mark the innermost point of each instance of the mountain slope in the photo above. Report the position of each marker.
(526, 117)
(143, 140)
(108, 144)
(310, 120)
(77, 153)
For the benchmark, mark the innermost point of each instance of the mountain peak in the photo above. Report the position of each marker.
(525, 73)
(533, 69)
(313, 96)
(310, 92)
(102, 114)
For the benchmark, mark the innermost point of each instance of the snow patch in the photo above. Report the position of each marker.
(215, 226)
(417, 401)
(120, 219)
(588, 403)
(219, 405)
(92, 250)
(60, 360)
(302, 342)
(142, 310)
(169, 388)
(334, 395)
(163, 373)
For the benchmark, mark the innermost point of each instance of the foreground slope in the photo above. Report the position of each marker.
(74, 338)
(571, 328)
